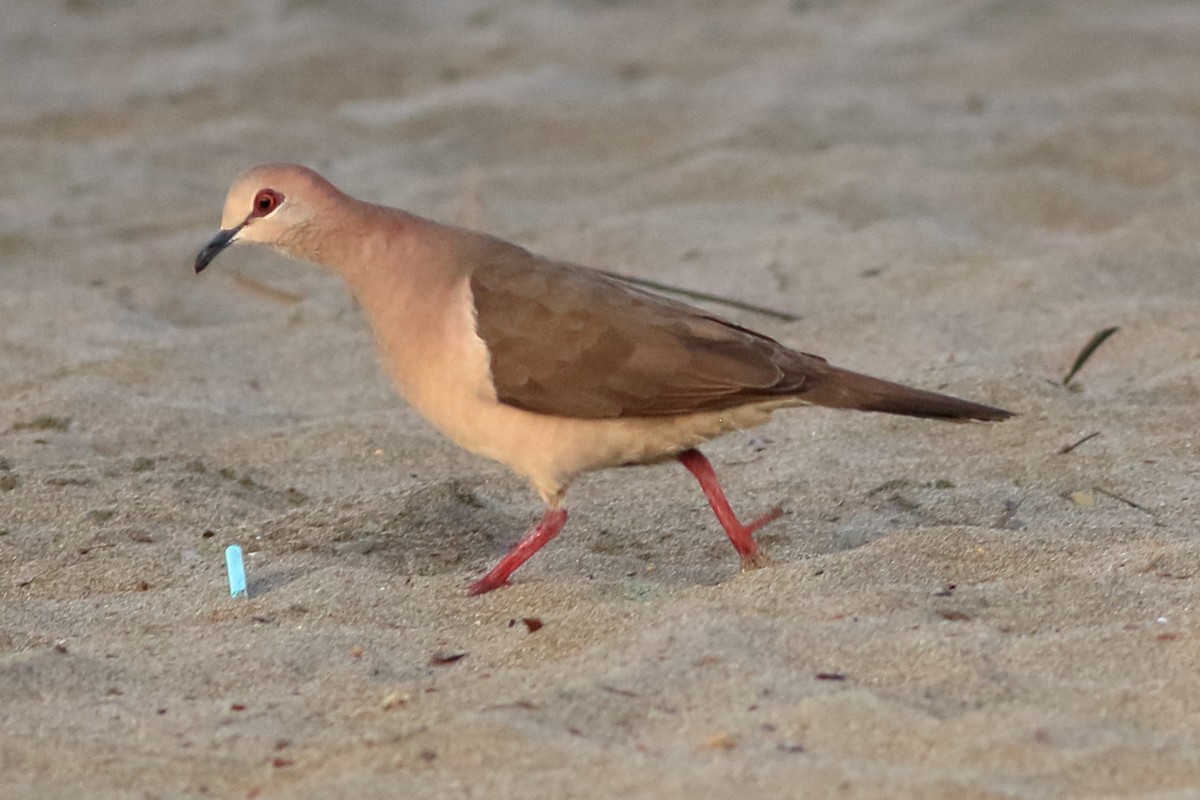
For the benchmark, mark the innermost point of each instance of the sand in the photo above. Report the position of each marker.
(956, 195)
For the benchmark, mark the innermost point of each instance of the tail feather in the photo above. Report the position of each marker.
(842, 388)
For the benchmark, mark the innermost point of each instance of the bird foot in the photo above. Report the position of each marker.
(754, 558)
(552, 522)
(485, 585)
(740, 536)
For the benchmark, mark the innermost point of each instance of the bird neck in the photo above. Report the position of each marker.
(374, 249)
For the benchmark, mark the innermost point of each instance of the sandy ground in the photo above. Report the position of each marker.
(953, 194)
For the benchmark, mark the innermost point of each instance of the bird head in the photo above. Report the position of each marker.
(269, 204)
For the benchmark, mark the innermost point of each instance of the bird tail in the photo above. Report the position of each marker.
(841, 388)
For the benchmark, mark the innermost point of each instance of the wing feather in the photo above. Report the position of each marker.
(569, 341)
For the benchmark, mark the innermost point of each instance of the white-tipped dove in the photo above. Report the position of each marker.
(552, 369)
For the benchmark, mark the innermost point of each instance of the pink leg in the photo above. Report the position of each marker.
(741, 535)
(552, 522)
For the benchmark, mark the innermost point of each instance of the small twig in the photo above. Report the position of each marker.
(1087, 351)
(1125, 500)
(704, 296)
(1062, 451)
(523, 705)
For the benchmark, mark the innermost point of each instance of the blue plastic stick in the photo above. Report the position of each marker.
(237, 571)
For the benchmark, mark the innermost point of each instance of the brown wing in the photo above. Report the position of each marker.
(569, 341)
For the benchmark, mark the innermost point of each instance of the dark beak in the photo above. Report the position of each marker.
(218, 243)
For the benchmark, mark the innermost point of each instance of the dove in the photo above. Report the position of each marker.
(552, 369)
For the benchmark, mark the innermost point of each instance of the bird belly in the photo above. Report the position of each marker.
(551, 451)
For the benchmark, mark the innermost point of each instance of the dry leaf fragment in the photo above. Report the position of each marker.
(1081, 498)
(720, 741)
(443, 659)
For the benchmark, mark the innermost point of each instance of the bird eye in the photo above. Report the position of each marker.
(266, 201)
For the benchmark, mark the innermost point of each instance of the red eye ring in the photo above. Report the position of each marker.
(266, 201)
